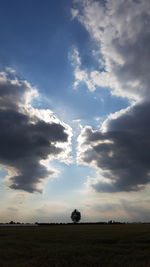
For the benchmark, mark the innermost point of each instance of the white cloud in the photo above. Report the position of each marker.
(74, 13)
(80, 75)
(123, 40)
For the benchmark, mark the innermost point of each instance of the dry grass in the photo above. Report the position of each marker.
(75, 245)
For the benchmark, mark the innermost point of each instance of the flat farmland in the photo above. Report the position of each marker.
(75, 245)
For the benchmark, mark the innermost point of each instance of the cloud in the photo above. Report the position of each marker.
(29, 137)
(74, 12)
(122, 37)
(137, 210)
(119, 150)
(119, 210)
(80, 75)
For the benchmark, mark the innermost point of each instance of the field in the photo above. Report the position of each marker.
(75, 245)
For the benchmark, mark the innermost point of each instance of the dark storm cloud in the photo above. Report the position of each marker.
(25, 138)
(122, 152)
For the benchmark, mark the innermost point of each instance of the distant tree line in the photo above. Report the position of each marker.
(75, 217)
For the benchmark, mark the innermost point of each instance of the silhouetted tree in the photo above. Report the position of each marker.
(11, 222)
(76, 216)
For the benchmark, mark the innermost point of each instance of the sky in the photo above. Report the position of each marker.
(74, 110)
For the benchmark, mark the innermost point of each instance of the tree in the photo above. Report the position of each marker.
(11, 222)
(76, 216)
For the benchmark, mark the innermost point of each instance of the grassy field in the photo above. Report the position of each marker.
(75, 245)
